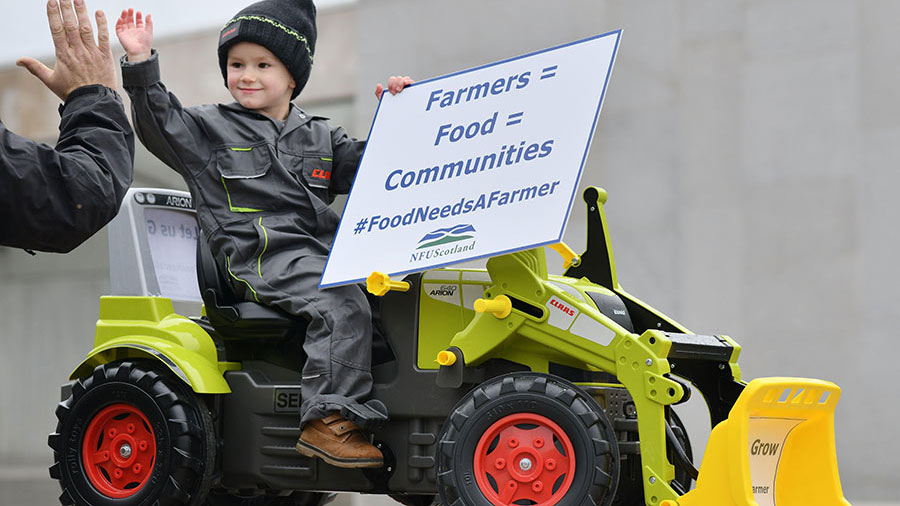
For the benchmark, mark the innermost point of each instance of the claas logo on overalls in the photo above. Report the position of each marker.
(322, 174)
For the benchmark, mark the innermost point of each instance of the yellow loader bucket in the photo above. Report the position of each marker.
(775, 448)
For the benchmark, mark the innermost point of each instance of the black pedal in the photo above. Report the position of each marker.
(370, 416)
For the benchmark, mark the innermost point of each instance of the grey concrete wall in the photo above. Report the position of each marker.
(749, 149)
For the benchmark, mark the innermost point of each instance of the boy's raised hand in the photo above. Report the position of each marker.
(135, 34)
(395, 85)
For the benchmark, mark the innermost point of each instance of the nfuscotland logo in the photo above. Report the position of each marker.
(431, 244)
(446, 235)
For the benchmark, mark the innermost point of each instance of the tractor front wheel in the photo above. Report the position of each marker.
(527, 438)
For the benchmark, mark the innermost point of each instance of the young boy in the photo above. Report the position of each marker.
(262, 173)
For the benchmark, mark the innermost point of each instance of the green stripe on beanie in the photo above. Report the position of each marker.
(300, 37)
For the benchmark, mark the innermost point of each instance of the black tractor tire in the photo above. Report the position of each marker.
(133, 417)
(224, 498)
(516, 416)
(631, 489)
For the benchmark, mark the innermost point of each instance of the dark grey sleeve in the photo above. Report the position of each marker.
(347, 155)
(164, 127)
(54, 198)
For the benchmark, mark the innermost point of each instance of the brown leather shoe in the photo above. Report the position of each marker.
(338, 442)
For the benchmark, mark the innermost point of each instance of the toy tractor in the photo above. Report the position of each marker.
(503, 386)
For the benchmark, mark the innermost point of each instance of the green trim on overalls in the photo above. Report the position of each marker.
(265, 245)
(233, 208)
(228, 268)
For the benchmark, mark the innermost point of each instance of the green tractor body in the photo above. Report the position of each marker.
(505, 385)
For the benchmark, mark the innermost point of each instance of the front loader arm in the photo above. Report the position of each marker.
(514, 275)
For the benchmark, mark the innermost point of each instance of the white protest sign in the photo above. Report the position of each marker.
(473, 164)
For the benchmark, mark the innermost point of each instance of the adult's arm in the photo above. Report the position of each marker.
(54, 198)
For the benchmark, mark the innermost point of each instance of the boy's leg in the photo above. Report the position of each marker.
(338, 345)
(337, 374)
(338, 341)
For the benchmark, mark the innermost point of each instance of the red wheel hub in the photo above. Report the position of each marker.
(119, 451)
(524, 457)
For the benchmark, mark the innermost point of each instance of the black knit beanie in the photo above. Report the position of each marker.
(285, 27)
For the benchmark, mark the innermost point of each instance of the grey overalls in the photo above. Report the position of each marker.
(260, 191)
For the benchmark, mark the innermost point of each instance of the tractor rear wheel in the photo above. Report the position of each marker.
(132, 434)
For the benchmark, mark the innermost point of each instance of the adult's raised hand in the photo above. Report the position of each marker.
(80, 60)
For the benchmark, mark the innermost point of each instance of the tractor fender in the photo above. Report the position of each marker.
(147, 327)
(203, 375)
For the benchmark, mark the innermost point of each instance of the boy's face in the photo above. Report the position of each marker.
(258, 80)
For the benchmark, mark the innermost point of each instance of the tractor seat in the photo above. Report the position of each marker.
(238, 319)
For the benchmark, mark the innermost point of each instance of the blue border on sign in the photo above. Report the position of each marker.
(617, 33)
(590, 139)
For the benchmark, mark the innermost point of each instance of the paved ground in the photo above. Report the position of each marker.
(29, 491)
